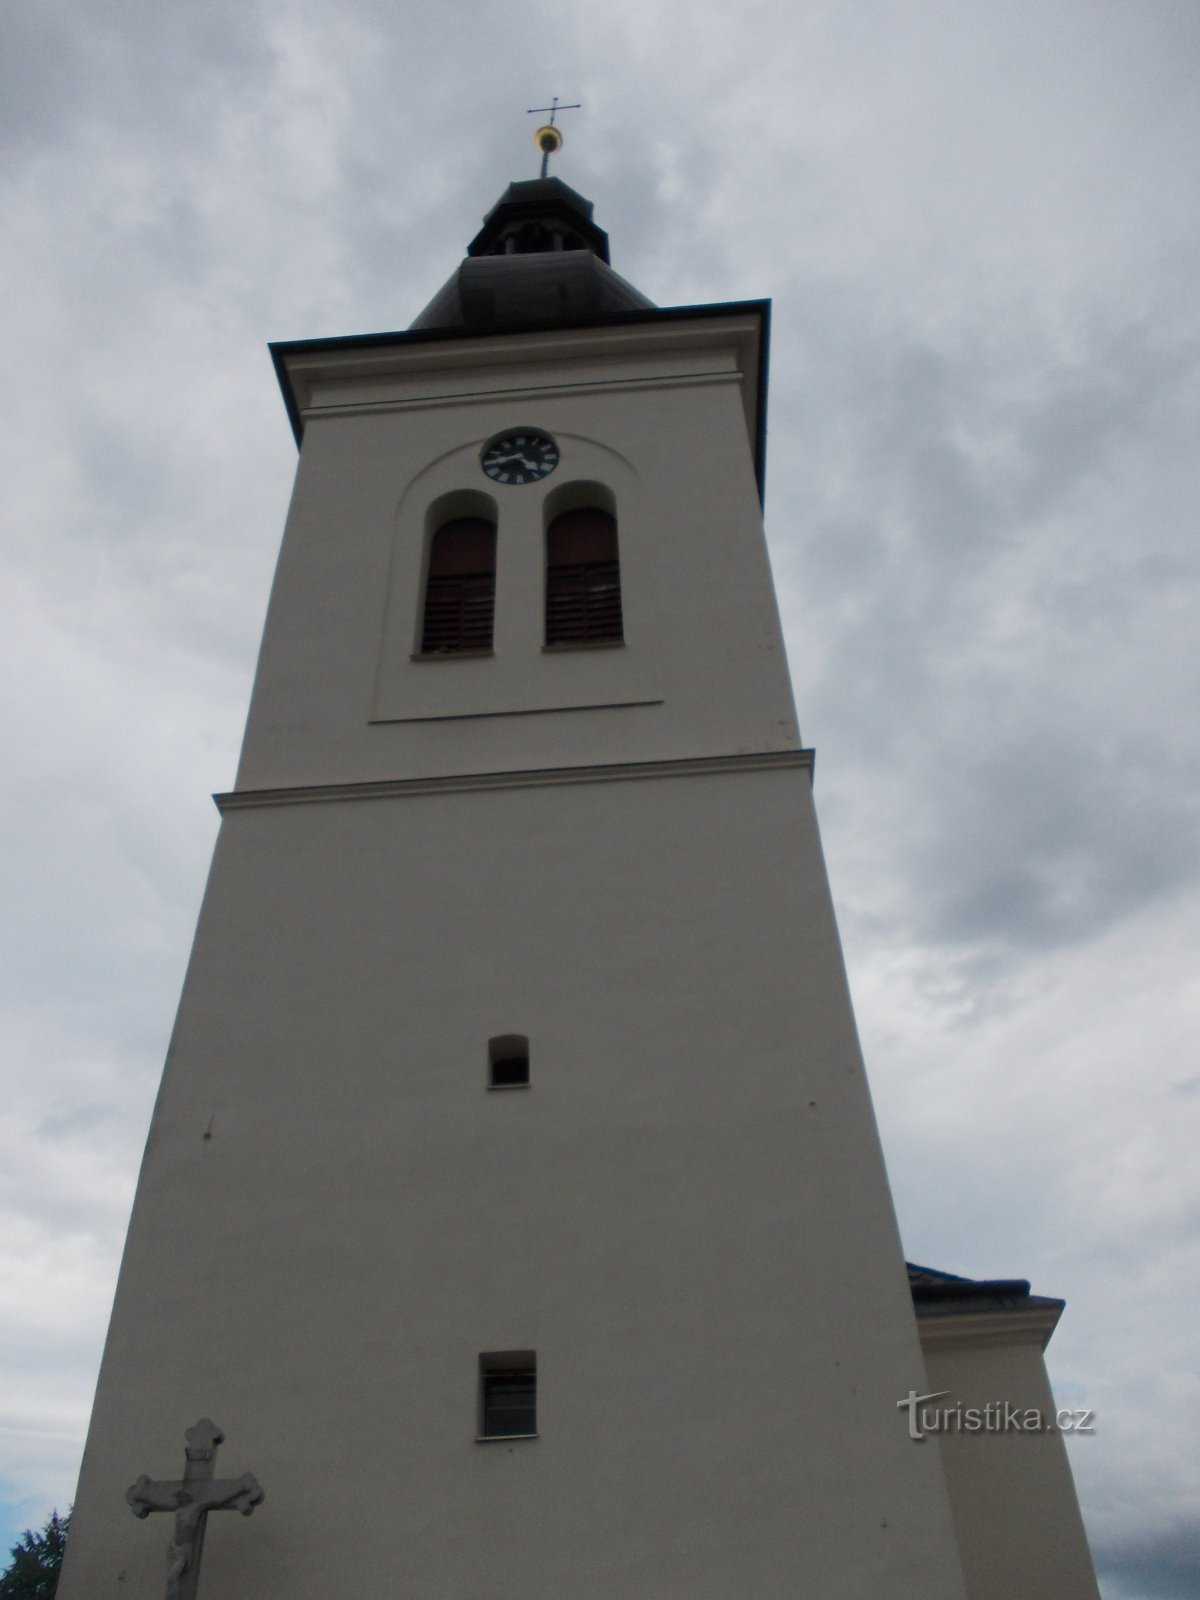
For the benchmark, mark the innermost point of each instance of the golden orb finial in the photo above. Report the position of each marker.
(548, 139)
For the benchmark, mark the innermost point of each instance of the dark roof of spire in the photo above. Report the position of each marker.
(540, 202)
(539, 260)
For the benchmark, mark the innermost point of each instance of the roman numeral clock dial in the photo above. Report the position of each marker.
(523, 455)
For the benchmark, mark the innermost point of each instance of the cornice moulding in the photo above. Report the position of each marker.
(1018, 1325)
(536, 778)
(317, 408)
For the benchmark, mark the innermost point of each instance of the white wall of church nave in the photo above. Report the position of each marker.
(999, 1481)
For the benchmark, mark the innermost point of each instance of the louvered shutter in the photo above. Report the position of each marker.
(509, 1404)
(460, 592)
(583, 579)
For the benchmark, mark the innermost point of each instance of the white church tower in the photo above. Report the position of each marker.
(513, 1199)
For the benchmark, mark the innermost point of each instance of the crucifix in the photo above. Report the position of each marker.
(191, 1499)
(548, 138)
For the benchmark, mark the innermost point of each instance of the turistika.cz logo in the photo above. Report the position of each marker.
(998, 1416)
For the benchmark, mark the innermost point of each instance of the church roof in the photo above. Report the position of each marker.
(944, 1294)
(539, 264)
(540, 207)
(539, 260)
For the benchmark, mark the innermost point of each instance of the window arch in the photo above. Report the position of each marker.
(460, 587)
(583, 578)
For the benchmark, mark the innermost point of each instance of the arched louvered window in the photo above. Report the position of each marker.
(583, 579)
(460, 591)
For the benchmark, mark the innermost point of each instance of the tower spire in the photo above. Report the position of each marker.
(548, 139)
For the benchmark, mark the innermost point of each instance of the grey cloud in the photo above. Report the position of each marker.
(946, 624)
(1164, 1567)
(1049, 839)
(43, 72)
(1109, 402)
(67, 63)
(70, 1123)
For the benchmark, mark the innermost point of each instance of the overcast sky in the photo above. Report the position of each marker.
(978, 225)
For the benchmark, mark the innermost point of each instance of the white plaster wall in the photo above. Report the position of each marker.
(520, 676)
(1016, 1512)
(702, 671)
(686, 1215)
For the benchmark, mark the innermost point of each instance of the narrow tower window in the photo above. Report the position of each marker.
(508, 1395)
(508, 1061)
(460, 591)
(583, 579)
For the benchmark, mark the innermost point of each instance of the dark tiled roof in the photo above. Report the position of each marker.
(495, 294)
(945, 1293)
(539, 259)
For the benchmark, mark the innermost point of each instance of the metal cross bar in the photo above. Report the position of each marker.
(553, 109)
(547, 138)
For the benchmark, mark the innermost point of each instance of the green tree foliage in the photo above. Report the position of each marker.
(36, 1558)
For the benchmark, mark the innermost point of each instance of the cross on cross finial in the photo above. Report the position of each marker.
(191, 1499)
(548, 139)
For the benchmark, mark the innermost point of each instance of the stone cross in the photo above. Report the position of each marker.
(191, 1499)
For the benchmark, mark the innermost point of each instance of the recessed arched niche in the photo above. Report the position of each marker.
(458, 503)
(438, 660)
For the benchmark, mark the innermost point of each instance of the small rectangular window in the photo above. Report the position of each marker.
(508, 1395)
(508, 1061)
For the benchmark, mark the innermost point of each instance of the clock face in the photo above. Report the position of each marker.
(522, 455)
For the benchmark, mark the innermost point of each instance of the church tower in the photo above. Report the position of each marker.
(513, 1199)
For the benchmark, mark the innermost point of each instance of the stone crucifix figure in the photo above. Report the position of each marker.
(191, 1499)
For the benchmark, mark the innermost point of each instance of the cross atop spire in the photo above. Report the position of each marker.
(548, 138)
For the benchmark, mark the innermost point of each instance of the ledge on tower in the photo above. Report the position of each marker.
(538, 260)
(943, 1294)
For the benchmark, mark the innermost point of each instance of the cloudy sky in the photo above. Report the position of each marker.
(978, 224)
